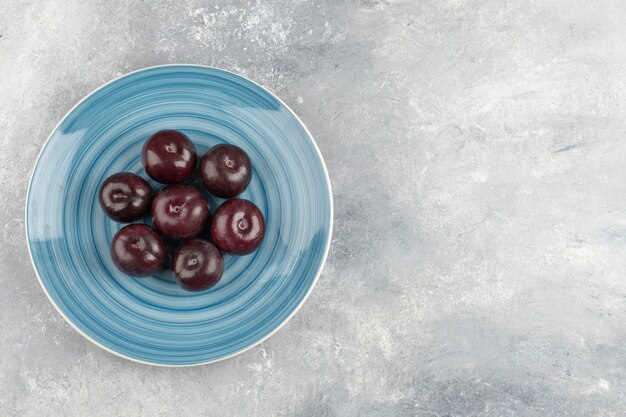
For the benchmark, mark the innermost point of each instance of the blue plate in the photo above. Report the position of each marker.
(152, 320)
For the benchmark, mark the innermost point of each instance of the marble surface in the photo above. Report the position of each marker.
(476, 151)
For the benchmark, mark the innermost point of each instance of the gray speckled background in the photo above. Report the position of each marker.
(477, 151)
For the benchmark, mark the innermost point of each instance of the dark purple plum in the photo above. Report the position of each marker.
(169, 157)
(138, 250)
(125, 197)
(197, 265)
(238, 227)
(225, 170)
(180, 211)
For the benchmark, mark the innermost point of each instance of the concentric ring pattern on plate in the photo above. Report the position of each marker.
(151, 320)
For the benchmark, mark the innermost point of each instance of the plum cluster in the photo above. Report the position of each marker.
(181, 212)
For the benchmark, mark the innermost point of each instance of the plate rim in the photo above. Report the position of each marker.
(240, 351)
